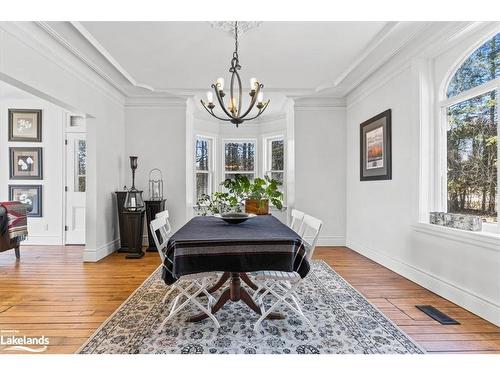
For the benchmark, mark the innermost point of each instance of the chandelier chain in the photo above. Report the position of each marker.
(236, 39)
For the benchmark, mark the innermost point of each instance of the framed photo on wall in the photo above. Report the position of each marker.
(375, 148)
(25, 125)
(26, 163)
(30, 195)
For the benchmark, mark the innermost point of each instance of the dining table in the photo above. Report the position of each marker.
(209, 244)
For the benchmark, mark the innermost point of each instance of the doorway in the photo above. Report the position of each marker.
(76, 180)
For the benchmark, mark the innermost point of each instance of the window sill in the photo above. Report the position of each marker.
(486, 240)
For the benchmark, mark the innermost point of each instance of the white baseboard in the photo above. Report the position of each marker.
(330, 241)
(467, 299)
(42, 240)
(93, 255)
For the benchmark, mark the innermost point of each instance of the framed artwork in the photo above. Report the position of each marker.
(375, 148)
(25, 125)
(26, 163)
(30, 195)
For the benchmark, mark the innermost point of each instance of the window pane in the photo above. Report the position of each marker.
(232, 175)
(202, 154)
(201, 185)
(277, 155)
(239, 156)
(482, 66)
(81, 183)
(472, 156)
(277, 176)
(80, 164)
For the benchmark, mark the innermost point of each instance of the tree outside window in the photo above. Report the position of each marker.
(239, 158)
(472, 134)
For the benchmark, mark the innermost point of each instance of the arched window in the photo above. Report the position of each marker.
(471, 111)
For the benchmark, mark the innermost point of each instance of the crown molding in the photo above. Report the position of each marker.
(429, 43)
(319, 102)
(155, 101)
(372, 45)
(382, 61)
(69, 47)
(29, 34)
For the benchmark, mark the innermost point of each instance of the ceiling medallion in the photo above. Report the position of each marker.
(229, 26)
(233, 112)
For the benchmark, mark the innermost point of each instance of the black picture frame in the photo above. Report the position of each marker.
(16, 138)
(13, 170)
(377, 131)
(36, 204)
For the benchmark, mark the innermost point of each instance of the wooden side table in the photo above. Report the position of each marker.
(133, 225)
(120, 201)
(152, 208)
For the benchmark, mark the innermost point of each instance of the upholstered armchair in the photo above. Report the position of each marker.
(5, 242)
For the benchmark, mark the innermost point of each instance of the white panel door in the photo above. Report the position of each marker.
(76, 170)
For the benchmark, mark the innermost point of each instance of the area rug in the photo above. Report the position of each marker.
(345, 322)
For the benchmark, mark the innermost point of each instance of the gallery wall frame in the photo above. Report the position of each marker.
(30, 195)
(25, 125)
(375, 145)
(26, 163)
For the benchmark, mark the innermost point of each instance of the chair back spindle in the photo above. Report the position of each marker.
(297, 219)
(311, 228)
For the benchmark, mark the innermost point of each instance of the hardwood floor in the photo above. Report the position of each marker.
(51, 292)
(396, 297)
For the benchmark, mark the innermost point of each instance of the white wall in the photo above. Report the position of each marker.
(30, 59)
(157, 135)
(382, 215)
(320, 167)
(46, 230)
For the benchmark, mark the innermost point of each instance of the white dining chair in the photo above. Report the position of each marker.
(297, 219)
(282, 285)
(188, 286)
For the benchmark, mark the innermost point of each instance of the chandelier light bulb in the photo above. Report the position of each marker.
(253, 83)
(260, 97)
(220, 83)
(210, 96)
(232, 105)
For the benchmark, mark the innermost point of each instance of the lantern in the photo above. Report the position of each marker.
(133, 200)
(155, 185)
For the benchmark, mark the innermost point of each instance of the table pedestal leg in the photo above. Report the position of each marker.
(248, 281)
(235, 293)
(225, 276)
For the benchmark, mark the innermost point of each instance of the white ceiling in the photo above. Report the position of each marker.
(191, 55)
(184, 58)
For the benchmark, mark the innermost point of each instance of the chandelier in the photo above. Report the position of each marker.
(233, 111)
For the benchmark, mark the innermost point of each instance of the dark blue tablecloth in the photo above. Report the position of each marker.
(207, 243)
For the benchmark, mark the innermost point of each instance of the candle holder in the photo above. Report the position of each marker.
(133, 201)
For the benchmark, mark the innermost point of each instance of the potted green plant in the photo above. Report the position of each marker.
(240, 192)
(256, 194)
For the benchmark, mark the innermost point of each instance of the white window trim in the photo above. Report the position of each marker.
(223, 156)
(442, 160)
(211, 164)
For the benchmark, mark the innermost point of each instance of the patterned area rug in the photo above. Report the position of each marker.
(345, 323)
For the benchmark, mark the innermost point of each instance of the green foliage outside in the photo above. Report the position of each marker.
(472, 136)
